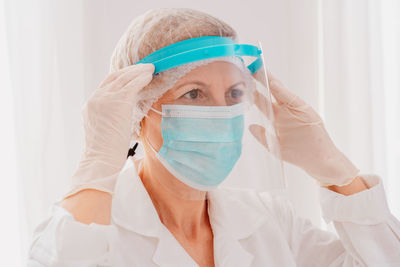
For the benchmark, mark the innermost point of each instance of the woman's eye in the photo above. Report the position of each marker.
(193, 94)
(236, 93)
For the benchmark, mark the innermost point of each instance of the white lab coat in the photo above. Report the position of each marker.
(250, 229)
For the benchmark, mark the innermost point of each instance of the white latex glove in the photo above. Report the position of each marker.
(304, 140)
(107, 117)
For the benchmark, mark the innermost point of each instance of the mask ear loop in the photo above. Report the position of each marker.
(150, 145)
(156, 111)
(132, 150)
(145, 137)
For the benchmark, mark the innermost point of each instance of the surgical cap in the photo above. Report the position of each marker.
(158, 28)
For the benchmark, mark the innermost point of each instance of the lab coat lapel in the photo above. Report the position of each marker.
(132, 207)
(134, 211)
(229, 252)
(234, 216)
(170, 253)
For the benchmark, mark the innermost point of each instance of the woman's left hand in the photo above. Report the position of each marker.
(304, 140)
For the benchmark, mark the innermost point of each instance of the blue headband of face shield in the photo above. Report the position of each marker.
(200, 48)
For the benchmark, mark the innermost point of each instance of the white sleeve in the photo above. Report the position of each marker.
(62, 241)
(368, 231)
(368, 234)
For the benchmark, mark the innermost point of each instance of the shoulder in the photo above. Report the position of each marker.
(275, 202)
(246, 213)
(271, 205)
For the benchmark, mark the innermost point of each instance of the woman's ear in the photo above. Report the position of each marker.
(142, 129)
(141, 125)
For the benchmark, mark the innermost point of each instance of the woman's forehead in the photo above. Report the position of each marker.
(218, 71)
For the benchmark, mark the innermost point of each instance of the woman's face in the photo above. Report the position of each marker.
(216, 84)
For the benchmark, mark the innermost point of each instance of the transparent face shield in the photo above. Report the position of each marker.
(217, 128)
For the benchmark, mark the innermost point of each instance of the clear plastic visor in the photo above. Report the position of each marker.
(214, 130)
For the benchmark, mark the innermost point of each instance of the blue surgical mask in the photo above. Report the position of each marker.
(201, 144)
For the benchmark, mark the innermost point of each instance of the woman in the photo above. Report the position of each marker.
(148, 215)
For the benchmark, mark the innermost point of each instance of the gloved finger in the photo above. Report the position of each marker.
(301, 116)
(134, 86)
(114, 75)
(259, 133)
(132, 74)
(283, 95)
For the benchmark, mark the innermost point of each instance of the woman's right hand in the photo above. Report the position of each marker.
(107, 117)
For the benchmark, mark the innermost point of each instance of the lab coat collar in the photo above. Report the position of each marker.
(169, 254)
(236, 212)
(234, 215)
(132, 207)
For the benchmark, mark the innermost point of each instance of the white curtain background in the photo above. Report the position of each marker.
(341, 56)
(360, 88)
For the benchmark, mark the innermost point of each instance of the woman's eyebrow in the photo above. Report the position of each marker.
(236, 84)
(205, 85)
(191, 82)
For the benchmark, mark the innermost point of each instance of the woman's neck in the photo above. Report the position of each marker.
(181, 210)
